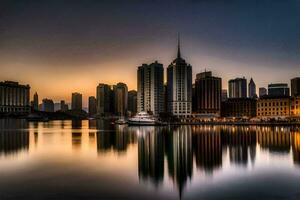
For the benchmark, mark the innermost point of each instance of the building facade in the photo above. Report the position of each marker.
(295, 87)
(76, 101)
(150, 94)
(295, 106)
(35, 101)
(239, 107)
(14, 98)
(179, 81)
(208, 93)
(92, 106)
(120, 99)
(63, 106)
(269, 106)
(132, 102)
(262, 92)
(224, 95)
(104, 99)
(237, 88)
(252, 89)
(278, 90)
(47, 105)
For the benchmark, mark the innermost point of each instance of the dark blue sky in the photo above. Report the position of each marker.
(104, 41)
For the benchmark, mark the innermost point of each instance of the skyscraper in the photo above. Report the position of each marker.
(104, 99)
(262, 92)
(47, 105)
(278, 89)
(237, 88)
(252, 89)
(92, 105)
(295, 87)
(224, 95)
(132, 101)
(63, 106)
(150, 95)
(179, 80)
(120, 99)
(76, 101)
(35, 101)
(208, 93)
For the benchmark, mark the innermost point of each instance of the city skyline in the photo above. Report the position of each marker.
(71, 50)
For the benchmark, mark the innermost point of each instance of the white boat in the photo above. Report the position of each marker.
(142, 119)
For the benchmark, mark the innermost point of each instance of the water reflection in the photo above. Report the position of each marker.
(13, 140)
(162, 154)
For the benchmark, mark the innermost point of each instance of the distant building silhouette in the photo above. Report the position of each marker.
(262, 92)
(120, 99)
(252, 89)
(179, 80)
(104, 99)
(14, 98)
(150, 85)
(278, 89)
(295, 87)
(224, 95)
(57, 107)
(76, 101)
(92, 105)
(132, 102)
(208, 93)
(63, 106)
(35, 101)
(47, 105)
(237, 88)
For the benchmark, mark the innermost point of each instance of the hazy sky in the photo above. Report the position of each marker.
(59, 47)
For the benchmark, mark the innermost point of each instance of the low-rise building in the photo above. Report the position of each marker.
(295, 106)
(238, 107)
(272, 106)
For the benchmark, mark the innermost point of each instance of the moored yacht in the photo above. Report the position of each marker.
(142, 119)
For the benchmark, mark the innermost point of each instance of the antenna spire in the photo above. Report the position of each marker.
(178, 51)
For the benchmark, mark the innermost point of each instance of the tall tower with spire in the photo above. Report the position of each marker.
(252, 89)
(179, 86)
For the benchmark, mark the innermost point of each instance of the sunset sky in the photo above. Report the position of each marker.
(60, 47)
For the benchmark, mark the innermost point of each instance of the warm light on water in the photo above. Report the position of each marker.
(97, 160)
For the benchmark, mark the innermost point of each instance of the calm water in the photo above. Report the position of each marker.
(97, 160)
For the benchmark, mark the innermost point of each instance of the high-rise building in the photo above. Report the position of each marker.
(104, 99)
(120, 99)
(278, 89)
(224, 95)
(63, 106)
(252, 89)
(150, 94)
(208, 93)
(47, 105)
(76, 101)
(179, 80)
(35, 101)
(295, 87)
(237, 88)
(57, 106)
(132, 102)
(92, 105)
(14, 98)
(262, 92)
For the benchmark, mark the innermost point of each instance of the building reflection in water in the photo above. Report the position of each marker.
(241, 143)
(295, 132)
(207, 147)
(178, 149)
(151, 154)
(14, 136)
(116, 140)
(274, 139)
